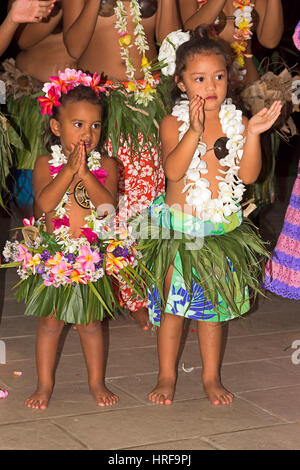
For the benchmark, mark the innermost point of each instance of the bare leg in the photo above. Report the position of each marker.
(168, 343)
(141, 316)
(91, 338)
(49, 331)
(210, 341)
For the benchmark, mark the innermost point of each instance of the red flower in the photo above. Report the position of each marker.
(57, 223)
(95, 84)
(47, 103)
(89, 234)
(64, 86)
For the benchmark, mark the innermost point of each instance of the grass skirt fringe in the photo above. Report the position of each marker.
(78, 304)
(227, 265)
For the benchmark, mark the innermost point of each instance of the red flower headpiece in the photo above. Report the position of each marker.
(63, 83)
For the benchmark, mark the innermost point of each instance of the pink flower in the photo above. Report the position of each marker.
(87, 258)
(55, 169)
(61, 269)
(27, 222)
(89, 234)
(22, 252)
(101, 175)
(57, 223)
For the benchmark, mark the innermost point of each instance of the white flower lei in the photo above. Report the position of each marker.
(141, 95)
(63, 233)
(231, 187)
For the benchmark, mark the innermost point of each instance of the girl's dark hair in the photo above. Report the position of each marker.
(200, 42)
(80, 93)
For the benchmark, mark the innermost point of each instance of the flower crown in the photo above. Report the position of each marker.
(63, 83)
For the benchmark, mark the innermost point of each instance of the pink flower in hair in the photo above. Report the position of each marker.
(61, 85)
(47, 102)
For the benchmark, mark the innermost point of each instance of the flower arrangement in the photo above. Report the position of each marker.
(64, 82)
(242, 33)
(143, 93)
(231, 188)
(72, 280)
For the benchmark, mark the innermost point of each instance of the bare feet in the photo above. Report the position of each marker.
(141, 316)
(39, 399)
(216, 393)
(163, 393)
(103, 396)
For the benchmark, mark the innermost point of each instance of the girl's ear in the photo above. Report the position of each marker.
(55, 127)
(180, 84)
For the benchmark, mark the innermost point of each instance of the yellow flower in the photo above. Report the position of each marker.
(244, 24)
(148, 89)
(125, 40)
(131, 86)
(145, 62)
(240, 60)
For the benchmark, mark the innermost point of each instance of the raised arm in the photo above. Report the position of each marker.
(207, 14)
(80, 18)
(270, 27)
(168, 19)
(22, 11)
(250, 164)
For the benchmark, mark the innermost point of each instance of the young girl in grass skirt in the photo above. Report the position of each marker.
(205, 258)
(68, 259)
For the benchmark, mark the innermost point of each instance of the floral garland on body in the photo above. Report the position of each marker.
(143, 93)
(231, 187)
(242, 33)
(76, 260)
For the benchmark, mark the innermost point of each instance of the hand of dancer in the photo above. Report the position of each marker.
(74, 158)
(30, 11)
(83, 169)
(264, 119)
(197, 114)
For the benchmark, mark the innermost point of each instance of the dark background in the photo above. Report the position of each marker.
(288, 157)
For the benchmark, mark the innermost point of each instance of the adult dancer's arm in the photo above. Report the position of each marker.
(270, 27)
(30, 34)
(22, 11)
(207, 14)
(168, 19)
(80, 18)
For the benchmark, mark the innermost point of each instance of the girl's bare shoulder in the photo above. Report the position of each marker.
(169, 123)
(42, 163)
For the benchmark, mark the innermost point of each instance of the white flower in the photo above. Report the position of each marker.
(168, 48)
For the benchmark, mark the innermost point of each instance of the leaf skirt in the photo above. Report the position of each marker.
(217, 268)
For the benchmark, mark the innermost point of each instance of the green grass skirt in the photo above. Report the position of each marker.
(224, 260)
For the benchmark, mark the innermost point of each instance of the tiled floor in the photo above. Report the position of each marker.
(258, 367)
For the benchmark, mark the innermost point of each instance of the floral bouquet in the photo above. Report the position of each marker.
(76, 281)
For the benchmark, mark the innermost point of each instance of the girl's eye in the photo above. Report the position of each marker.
(220, 76)
(78, 124)
(200, 79)
(96, 126)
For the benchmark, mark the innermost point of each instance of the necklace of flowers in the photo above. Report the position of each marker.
(142, 93)
(242, 33)
(61, 220)
(231, 187)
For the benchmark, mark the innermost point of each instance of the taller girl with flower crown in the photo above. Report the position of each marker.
(66, 261)
(206, 254)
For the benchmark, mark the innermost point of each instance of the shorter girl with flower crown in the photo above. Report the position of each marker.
(67, 259)
(203, 254)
